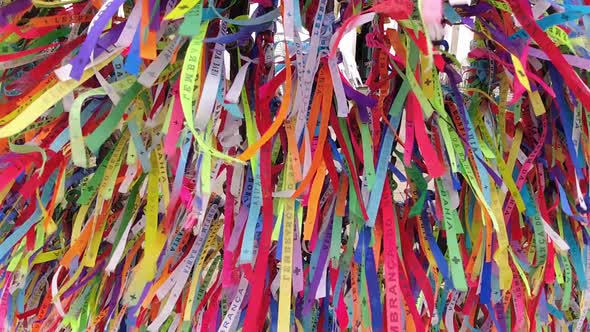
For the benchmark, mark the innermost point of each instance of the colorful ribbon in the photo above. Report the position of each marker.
(235, 166)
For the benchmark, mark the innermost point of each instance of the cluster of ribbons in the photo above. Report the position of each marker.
(200, 165)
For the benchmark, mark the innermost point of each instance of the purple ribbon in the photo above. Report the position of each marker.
(244, 33)
(364, 102)
(12, 9)
(98, 24)
(155, 19)
(317, 276)
(476, 10)
(86, 277)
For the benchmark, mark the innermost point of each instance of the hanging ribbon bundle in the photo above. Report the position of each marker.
(188, 165)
